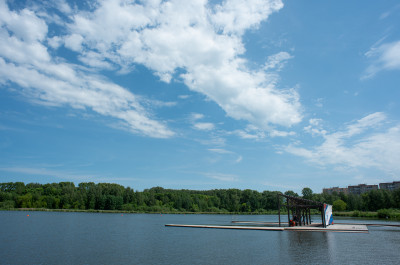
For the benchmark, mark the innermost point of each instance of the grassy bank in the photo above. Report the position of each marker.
(390, 214)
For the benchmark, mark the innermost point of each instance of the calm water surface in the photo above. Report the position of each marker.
(94, 238)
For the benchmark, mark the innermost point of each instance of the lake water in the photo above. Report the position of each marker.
(99, 238)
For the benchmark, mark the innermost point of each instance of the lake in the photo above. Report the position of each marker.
(105, 238)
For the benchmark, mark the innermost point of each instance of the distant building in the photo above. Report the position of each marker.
(335, 189)
(390, 185)
(361, 188)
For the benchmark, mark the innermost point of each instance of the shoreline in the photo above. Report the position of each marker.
(352, 214)
(137, 212)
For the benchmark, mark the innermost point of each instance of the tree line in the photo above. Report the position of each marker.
(107, 196)
(373, 200)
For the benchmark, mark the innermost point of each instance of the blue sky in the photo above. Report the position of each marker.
(264, 95)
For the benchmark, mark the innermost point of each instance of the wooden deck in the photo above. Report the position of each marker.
(231, 227)
(331, 228)
(347, 228)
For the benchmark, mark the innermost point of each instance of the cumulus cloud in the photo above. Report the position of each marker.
(25, 61)
(371, 142)
(384, 57)
(236, 16)
(55, 42)
(63, 6)
(74, 42)
(195, 42)
(25, 26)
(201, 40)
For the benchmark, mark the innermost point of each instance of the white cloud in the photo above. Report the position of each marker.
(84, 92)
(61, 174)
(277, 61)
(54, 42)
(63, 6)
(74, 42)
(361, 125)
(25, 25)
(183, 96)
(196, 116)
(197, 42)
(230, 154)
(236, 16)
(18, 51)
(24, 60)
(254, 132)
(384, 57)
(95, 60)
(250, 132)
(202, 40)
(315, 127)
(319, 102)
(213, 139)
(390, 12)
(220, 151)
(204, 126)
(158, 103)
(222, 177)
(35, 171)
(366, 143)
(277, 133)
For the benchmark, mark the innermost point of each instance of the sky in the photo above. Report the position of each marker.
(262, 95)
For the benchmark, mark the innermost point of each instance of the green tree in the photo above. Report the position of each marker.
(396, 198)
(354, 202)
(291, 193)
(7, 204)
(339, 205)
(25, 201)
(307, 193)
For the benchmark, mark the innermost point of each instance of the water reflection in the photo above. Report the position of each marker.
(313, 247)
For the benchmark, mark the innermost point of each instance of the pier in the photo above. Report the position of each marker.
(231, 227)
(347, 228)
(299, 219)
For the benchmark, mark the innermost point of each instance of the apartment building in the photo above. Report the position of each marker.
(335, 189)
(362, 188)
(390, 185)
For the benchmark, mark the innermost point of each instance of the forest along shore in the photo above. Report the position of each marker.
(108, 197)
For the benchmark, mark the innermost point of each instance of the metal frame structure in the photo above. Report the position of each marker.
(300, 210)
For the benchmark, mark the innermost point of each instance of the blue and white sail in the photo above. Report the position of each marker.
(328, 214)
